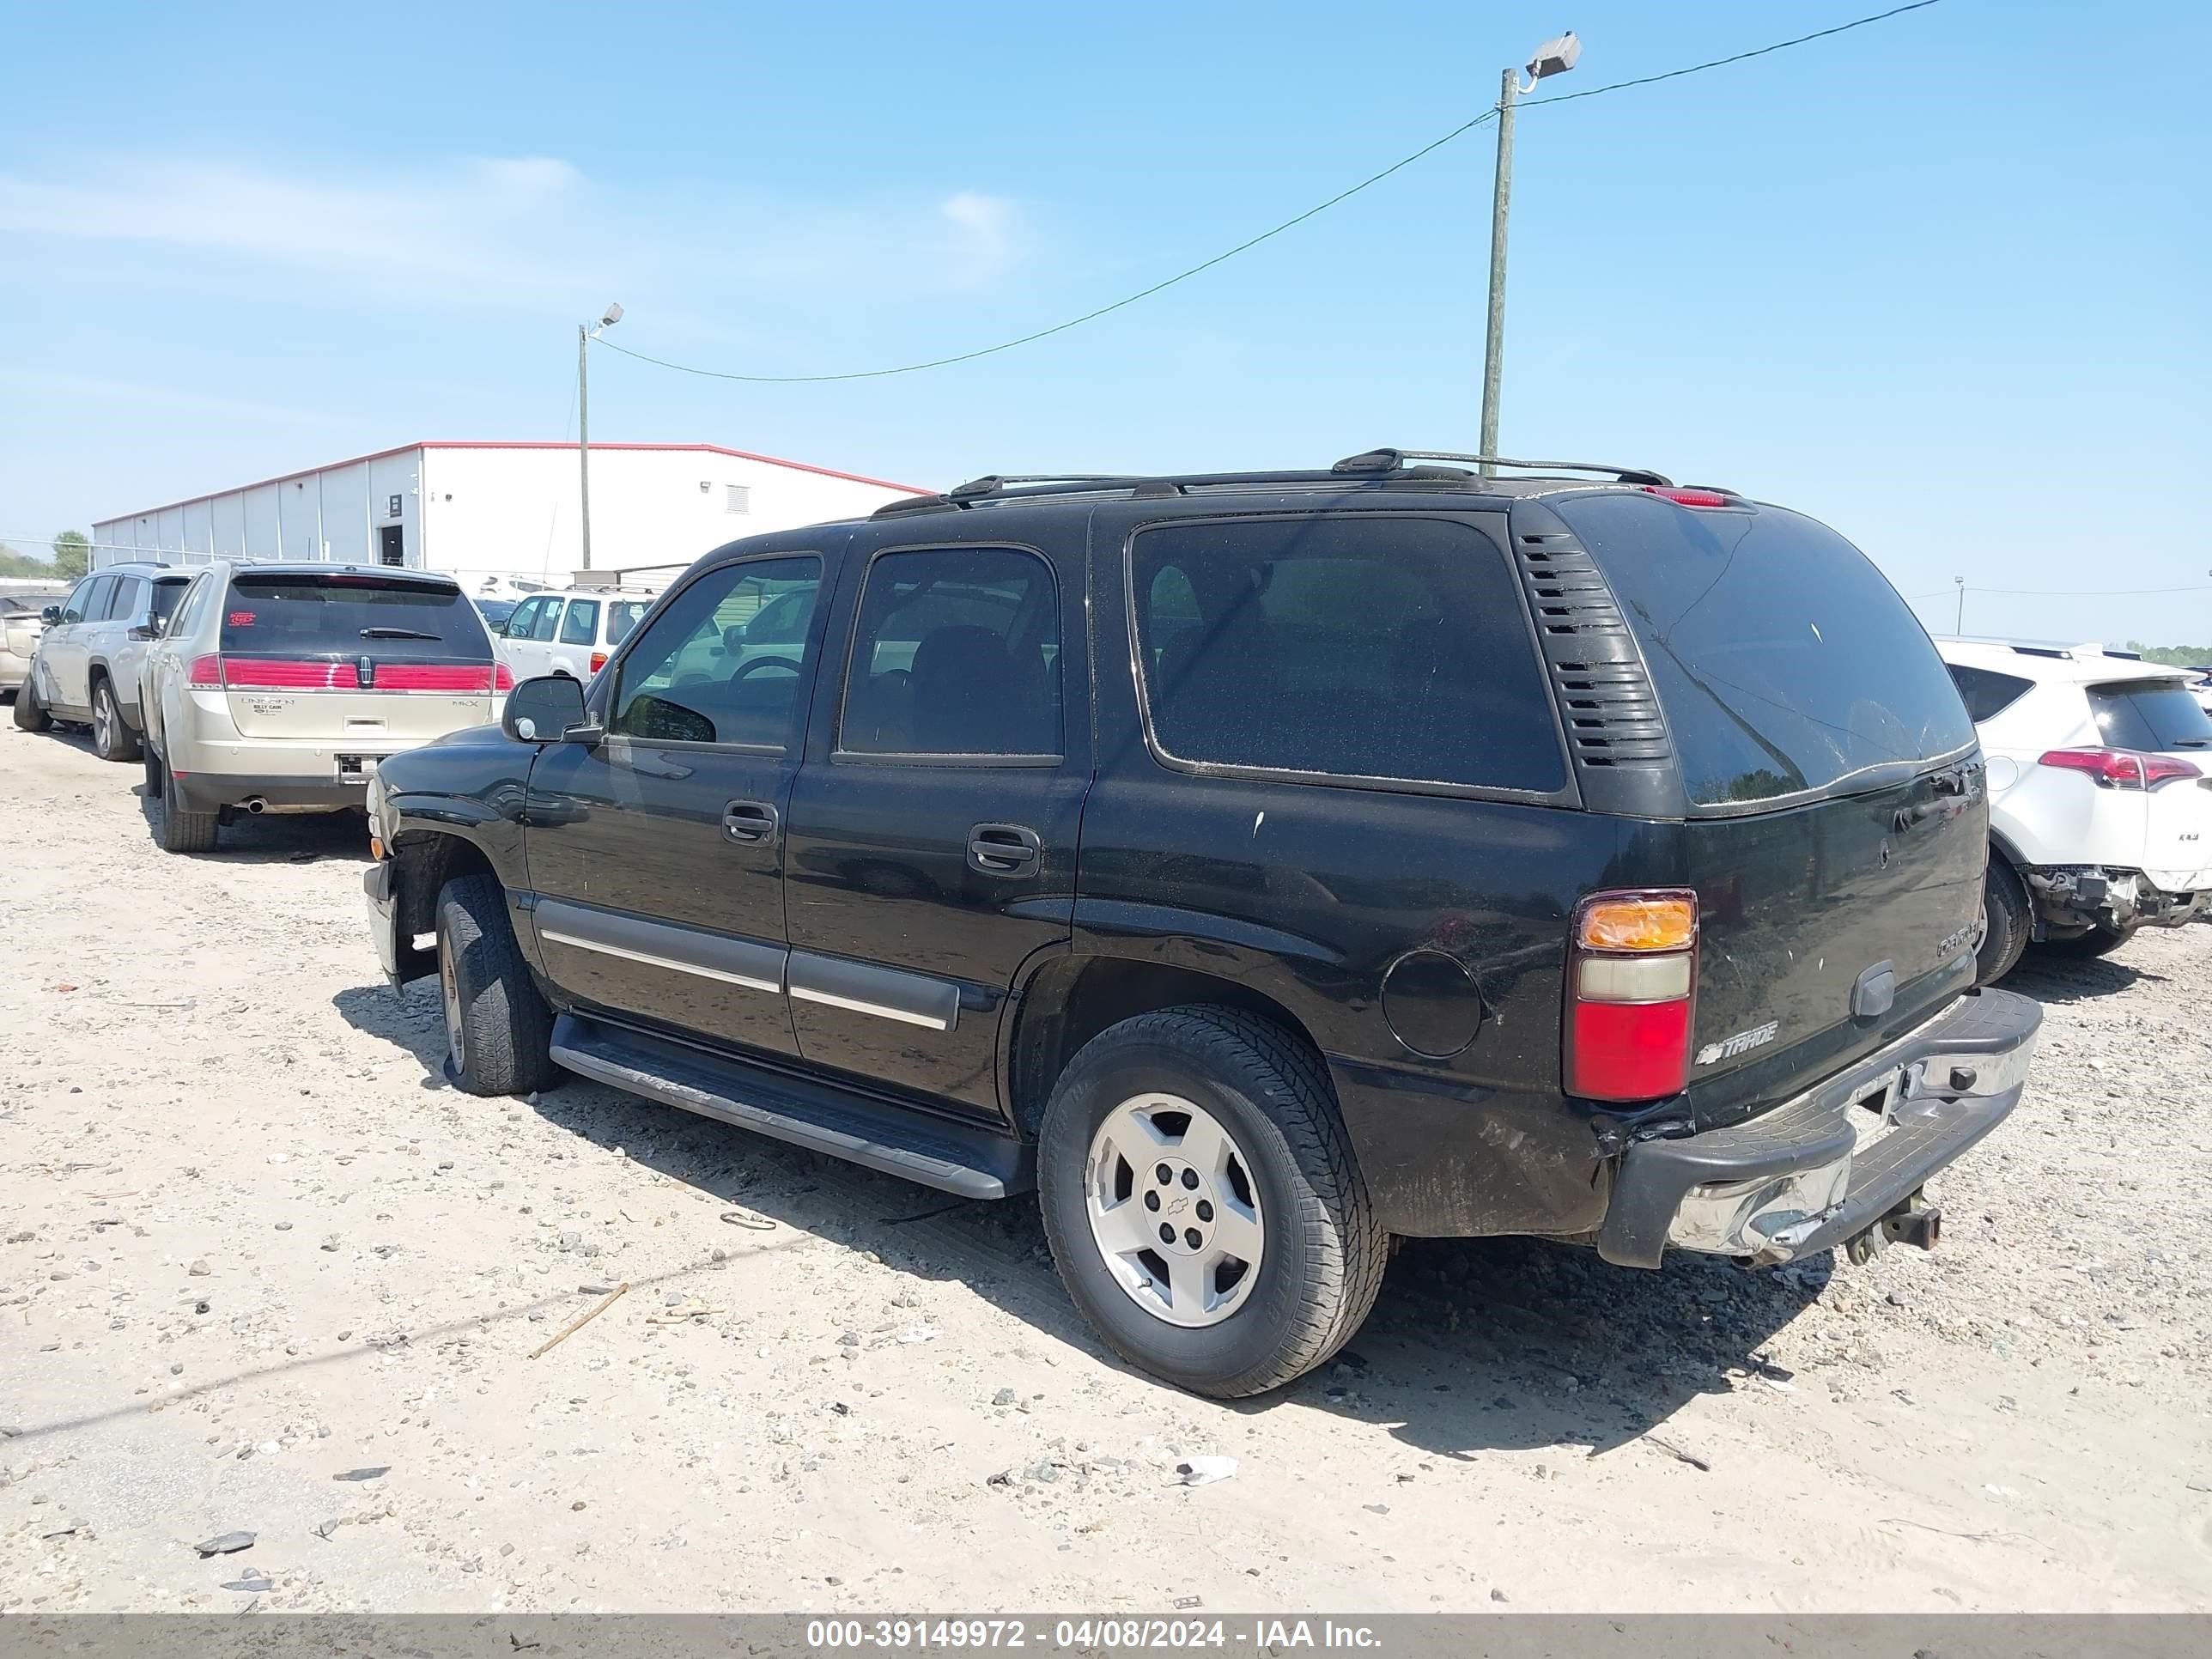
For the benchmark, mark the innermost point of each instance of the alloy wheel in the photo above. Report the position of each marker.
(449, 989)
(1174, 1210)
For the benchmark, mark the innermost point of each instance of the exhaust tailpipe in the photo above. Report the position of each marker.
(255, 805)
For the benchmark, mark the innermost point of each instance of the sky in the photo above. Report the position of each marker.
(1942, 281)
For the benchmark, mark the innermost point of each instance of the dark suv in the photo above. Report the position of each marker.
(1260, 865)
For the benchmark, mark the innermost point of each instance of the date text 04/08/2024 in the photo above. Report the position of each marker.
(1277, 1635)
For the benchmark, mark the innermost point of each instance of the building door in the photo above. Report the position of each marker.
(391, 544)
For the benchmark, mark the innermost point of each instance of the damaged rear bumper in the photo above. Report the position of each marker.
(1826, 1168)
(2068, 898)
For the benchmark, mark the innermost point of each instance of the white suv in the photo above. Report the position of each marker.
(87, 663)
(277, 688)
(572, 633)
(2100, 796)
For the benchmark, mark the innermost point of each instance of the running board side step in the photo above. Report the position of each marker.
(967, 1160)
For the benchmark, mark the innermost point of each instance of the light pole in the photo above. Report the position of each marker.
(1553, 58)
(585, 334)
(1958, 622)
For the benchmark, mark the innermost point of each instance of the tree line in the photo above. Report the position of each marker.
(71, 558)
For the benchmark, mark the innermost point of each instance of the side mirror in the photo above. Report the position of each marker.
(543, 710)
(147, 626)
(51, 615)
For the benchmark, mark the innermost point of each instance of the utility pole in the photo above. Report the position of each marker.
(1501, 199)
(585, 334)
(1553, 58)
(1958, 622)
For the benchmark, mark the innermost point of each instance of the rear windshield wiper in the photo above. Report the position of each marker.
(398, 634)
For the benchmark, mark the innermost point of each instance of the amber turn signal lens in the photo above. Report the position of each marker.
(1655, 923)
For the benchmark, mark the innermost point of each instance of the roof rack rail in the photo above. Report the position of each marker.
(1393, 460)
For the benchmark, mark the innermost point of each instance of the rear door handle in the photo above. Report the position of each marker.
(1005, 849)
(749, 823)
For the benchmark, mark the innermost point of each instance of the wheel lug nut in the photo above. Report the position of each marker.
(1166, 1176)
(1167, 1234)
(1204, 1210)
(1152, 1201)
(1191, 1237)
(1190, 1179)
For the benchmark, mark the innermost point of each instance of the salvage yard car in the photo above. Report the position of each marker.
(276, 687)
(92, 655)
(2100, 796)
(21, 624)
(1260, 865)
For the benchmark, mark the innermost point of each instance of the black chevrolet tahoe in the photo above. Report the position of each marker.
(1258, 866)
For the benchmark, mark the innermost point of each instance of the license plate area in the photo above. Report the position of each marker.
(355, 768)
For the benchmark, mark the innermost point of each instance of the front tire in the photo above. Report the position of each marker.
(1241, 1116)
(499, 1030)
(2006, 922)
(112, 737)
(30, 713)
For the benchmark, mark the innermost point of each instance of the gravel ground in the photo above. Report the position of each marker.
(264, 1272)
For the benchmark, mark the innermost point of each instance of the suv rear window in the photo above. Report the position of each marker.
(1784, 661)
(166, 592)
(1356, 646)
(2152, 715)
(315, 614)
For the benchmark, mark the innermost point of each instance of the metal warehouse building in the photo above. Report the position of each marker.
(480, 510)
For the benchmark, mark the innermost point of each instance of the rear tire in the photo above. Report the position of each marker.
(1320, 1251)
(2100, 940)
(112, 739)
(2006, 921)
(499, 1030)
(181, 831)
(30, 713)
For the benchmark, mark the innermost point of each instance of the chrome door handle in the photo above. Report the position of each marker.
(1011, 850)
(749, 821)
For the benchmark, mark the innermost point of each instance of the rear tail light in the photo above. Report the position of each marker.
(1683, 497)
(308, 674)
(1632, 984)
(598, 660)
(2122, 769)
(434, 676)
(276, 674)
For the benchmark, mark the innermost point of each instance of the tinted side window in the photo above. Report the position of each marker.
(1785, 661)
(622, 616)
(166, 598)
(581, 625)
(957, 652)
(2158, 716)
(520, 618)
(128, 600)
(1356, 647)
(694, 677)
(1987, 693)
(88, 599)
(193, 608)
(545, 619)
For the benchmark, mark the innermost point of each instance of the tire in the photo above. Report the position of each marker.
(2007, 922)
(2100, 940)
(1322, 1252)
(179, 831)
(30, 713)
(112, 739)
(499, 1030)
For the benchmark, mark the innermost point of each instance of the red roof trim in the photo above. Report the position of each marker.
(402, 449)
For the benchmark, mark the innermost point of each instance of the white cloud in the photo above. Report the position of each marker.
(530, 232)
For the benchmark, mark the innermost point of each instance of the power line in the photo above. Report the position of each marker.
(1371, 179)
(1088, 316)
(2060, 592)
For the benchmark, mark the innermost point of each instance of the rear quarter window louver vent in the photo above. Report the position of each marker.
(1605, 698)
